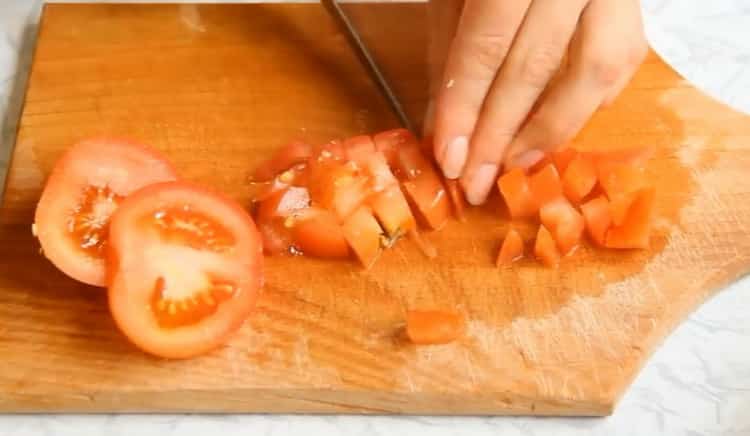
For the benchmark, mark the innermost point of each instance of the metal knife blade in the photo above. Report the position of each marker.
(360, 49)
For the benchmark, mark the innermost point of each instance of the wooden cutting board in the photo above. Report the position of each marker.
(217, 88)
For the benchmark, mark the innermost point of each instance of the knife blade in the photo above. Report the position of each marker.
(371, 66)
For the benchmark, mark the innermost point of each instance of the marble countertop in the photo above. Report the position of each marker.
(697, 383)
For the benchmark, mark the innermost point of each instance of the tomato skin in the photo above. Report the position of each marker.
(596, 213)
(119, 165)
(286, 157)
(321, 235)
(514, 187)
(511, 250)
(433, 327)
(456, 196)
(138, 256)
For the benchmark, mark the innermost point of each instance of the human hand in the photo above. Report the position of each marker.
(522, 77)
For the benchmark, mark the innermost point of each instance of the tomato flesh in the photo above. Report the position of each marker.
(85, 187)
(596, 213)
(545, 248)
(319, 234)
(364, 235)
(515, 189)
(286, 157)
(563, 158)
(433, 327)
(635, 231)
(545, 186)
(457, 199)
(564, 222)
(392, 211)
(579, 178)
(185, 268)
(511, 250)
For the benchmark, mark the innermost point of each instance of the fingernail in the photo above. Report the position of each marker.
(526, 159)
(454, 157)
(481, 184)
(429, 119)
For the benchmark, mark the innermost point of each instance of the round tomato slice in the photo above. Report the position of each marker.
(86, 185)
(185, 268)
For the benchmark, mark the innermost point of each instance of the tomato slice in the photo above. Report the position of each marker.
(185, 268)
(579, 178)
(564, 222)
(456, 195)
(545, 248)
(635, 231)
(433, 327)
(562, 159)
(391, 141)
(511, 250)
(596, 213)
(392, 211)
(319, 234)
(337, 185)
(430, 199)
(284, 158)
(84, 188)
(364, 235)
(359, 148)
(515, 189)
(545, 186)
(284, 203)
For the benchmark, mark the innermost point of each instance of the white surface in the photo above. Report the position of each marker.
(698, 382)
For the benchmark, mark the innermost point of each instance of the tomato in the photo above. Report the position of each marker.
(596, 213)
(391, 141)
(393, 212)
(286, 157)
(562, 159)
(514, 187)
(579, 178)
(635, 231)
(364, 235)
(283, 203)
(276, 234)
(456, 196)
(185, 268)
(86, 185)
(433, 327)
(511, 250)
(319, 234)
(564, 222)
(337, 185)
(358, 148)
(545, 186)
(430, 199)
(545, 248)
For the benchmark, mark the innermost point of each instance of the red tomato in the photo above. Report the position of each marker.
(284, 203)
(428, 195)
(596, 213)
(635, 231)
(433, 327)
(364, 235)
(545, 186)
(579, 178)
(319, 234)
(514, 187)
(391, 141)
(185, 268)
(359, 148)
(276, 234)
(456, 196)
(564, 222)
(619, 206)
(85, 187)
(393, 212)
(511, 250)
(286, 157)
(545, 248)
(337, 185)
(562, 159)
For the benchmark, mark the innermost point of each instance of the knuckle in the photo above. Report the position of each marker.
(485, 53)
(607, 68)
(553, 130)
(638, 52)
(539, 65)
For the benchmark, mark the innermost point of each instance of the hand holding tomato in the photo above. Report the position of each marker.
(522, 77)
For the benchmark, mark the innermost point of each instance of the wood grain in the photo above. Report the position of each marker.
(217, 88)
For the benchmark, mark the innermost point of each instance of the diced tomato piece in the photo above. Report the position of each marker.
(432, 327)
(545, 248)
(514, 187)
(540, 164)
(363, 233)
(319, 234)
(565, 223)
(635, 231)
(391, 141)
(562, 158)
(621, 179)
(619, 206)
(286, 157)
(545, 186)
(429, 196)
(337, 186)
(456, 196)
(283, 203)
(596, 213)
(579, 178)
(276, 235)
(381, 177)
(392, 210)
(511, 250)
(359, 148)
(330, 150)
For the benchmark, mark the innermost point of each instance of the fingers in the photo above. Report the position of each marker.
(484, 36)
(604, 58)
(535, 57)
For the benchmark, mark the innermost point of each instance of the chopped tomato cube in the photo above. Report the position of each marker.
(565, 223)
(391, 141)
(381, 177)
(635, 231)
(286, 157)
(429, 196)
(276, 236)
(545, 186)
(330, 150)
(363, 233)
(579, 178)
(283, 203)
(621, 179)
(562, 159)
(511, 250)
(545, 248)
(514, 187)
(359, 148)
(619, 206)
(597, 214)
(432, 327)
(319, 234)
(393, 212)
(456, 196)
(338, 186)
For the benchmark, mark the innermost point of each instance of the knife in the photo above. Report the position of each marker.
(360, 49)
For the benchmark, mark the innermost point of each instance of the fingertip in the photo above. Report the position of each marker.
(454, 157)
(478, 183)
